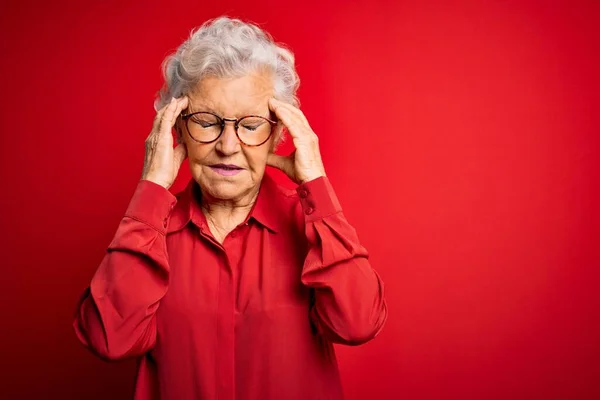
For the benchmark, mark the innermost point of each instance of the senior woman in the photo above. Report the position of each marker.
(235, 288)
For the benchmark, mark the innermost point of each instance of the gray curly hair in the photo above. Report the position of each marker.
(226, 48)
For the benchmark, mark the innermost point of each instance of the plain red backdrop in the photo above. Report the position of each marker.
(462, 141)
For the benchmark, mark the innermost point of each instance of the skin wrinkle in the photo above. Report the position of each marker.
(227, 200)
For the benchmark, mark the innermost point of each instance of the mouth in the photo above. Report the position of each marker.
(226, 169)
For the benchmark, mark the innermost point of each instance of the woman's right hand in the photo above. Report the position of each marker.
(162, 161)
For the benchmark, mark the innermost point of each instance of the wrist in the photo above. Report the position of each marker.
(158, 181)
(312, 175)
(312, 178)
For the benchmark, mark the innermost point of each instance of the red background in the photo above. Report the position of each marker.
(461, 140)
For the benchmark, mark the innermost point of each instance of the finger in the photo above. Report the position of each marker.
(281, 112)
(159, 114)
(173, 111)
(294, 120)
(295, 126)
(182, 104)
(294, 110)
(179, 154)
(158, 119)
(291, 108)
(169, 117)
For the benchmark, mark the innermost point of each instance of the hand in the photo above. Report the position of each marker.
(305, 163)
(162, 161)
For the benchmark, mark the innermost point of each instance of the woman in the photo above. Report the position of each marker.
(235, 288)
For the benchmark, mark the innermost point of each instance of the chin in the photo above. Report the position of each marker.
(226, 190)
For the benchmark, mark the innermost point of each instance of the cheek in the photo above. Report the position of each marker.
(257, 157)
(196, 152)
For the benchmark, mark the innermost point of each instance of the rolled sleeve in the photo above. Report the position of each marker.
(151, 204)
(318, 199)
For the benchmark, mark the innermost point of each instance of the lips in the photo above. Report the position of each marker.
(226, 169)
(226, 166)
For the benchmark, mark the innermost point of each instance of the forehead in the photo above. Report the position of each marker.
(233, 97)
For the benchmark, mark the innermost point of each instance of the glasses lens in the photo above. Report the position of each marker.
(204, 127)
(254, 130)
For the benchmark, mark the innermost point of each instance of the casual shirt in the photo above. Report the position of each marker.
(255, 317)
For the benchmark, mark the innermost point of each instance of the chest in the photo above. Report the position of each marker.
(253, 271)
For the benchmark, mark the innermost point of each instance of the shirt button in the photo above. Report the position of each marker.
(303, 193)
(165, 223)
(309, 210)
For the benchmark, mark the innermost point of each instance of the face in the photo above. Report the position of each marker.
(230, 98)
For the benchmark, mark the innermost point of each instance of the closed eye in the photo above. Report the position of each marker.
(251, 127)
(206, 124)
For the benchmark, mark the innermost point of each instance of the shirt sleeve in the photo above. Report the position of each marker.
(349, 305)
(115, 316)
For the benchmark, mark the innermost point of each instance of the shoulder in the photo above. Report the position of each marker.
(283, 205)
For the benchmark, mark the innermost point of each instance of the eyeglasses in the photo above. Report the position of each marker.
(206, 127)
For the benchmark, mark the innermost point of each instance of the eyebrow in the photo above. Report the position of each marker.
(203, 108)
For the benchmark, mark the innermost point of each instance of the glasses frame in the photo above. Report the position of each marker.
(185, 117)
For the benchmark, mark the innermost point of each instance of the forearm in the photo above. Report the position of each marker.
(116, 314)
(349, 302)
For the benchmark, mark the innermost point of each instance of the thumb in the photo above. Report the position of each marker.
(179, 154)
(282, 163)
(276, 160)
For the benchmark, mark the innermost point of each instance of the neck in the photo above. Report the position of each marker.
(224, 215)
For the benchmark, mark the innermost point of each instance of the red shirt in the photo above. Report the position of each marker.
(253, 318)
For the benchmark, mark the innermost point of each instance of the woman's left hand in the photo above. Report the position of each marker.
(305, 163)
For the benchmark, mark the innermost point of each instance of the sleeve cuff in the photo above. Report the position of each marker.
(151, 204)
(318, 199)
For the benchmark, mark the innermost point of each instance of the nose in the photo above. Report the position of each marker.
(228, 142)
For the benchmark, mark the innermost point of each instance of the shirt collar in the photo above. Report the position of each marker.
(264, 211)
